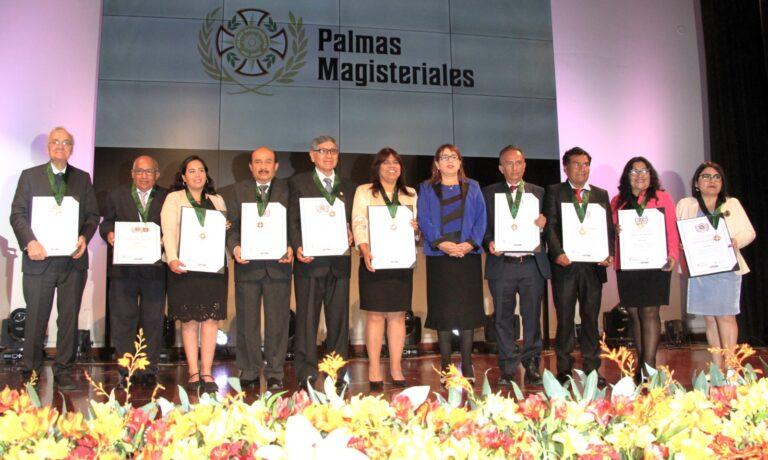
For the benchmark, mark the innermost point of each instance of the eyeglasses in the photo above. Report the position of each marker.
(144, 172)
(453, 157)
(59, 142)
(640, 172)
(326, 152)
(712, 177)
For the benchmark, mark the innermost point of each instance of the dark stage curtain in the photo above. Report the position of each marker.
(737, 89)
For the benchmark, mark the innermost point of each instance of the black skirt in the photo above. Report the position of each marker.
(455, 292)
(643, 288)
(385, 290)
(196, 296)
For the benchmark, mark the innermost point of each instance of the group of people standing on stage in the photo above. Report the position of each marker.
(454, 218)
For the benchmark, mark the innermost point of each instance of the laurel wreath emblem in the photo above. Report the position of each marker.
(214, 68)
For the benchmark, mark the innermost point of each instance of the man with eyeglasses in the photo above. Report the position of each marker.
(572, 281)
(136, 292)
(320, 282)
(45, 275)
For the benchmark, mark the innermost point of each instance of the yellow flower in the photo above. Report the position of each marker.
(71, 425)
(324, 417)
(125, 361)
(331, 365)
(107, 425)
(454, 379)
(50, 448)
(574, 443)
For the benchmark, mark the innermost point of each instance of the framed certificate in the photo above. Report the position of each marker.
(393, 242)
(56, 227)
(643, 239)
(707, 250)
(263, 237)
(136, 243)
(202, 248)
(520, 233)
(585, 241)
(323, 227)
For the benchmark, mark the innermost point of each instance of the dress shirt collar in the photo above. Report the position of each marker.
(56, 170)
(322, 176)
(585, 187)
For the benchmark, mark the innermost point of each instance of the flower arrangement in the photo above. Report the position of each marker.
(722, 416)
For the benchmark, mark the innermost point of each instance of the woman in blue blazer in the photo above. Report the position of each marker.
(452, 219)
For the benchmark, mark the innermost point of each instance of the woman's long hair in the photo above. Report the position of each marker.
(696, 193)
(436, 177)
(178, 181)
(625, 186)
(382, 156)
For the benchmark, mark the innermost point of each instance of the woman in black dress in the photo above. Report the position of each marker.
(452, 220)
(197, 299)
(384, 294)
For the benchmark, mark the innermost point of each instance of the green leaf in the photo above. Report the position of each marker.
(454, 397)
(700, 383)
(234, 383)
(486, 384)
(590, 388)
(716, 377)
(33, 396)
(183, 399)
(552, 387)
(517, 392)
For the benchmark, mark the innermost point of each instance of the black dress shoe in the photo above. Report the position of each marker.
(505, 380)
(304, 384)
(149, 379)
(563, 377)
(376, 385)
(274, 384)
(532, 375)
(64, 382)
(248, 384)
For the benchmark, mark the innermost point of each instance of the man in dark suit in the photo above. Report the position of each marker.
(44, 275)
(572, 281)
(511, 274)
(136, 292)
(320, 281)
(255, 280)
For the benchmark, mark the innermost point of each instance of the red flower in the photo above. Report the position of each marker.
(722, 397)
(227, 450)
(655, 451)
(137, 418)
(491, 438)
(85, 450)
(534, 407)
(600, 452)
(601, 410)
(359, 443)
(623, 405)
(300, 402)
(403, 407)
(282, 408)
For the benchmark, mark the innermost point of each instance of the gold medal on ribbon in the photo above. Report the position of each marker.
(260, 224)
(514, 226)
(393, 227)
(332, 213)
(57, 209)
(582, 231)
(202, 235)
(717, 237)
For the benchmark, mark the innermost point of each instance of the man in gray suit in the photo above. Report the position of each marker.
(255, 280)
(509, 275)
(44, 275)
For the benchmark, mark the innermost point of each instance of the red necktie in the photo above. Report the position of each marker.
(513, 188)
(578, 194)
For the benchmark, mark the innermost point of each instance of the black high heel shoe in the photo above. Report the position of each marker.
(193, 387)
(376, 385)
(399, 383)
(208, 387)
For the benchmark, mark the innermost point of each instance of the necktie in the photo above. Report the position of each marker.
(328, 185)
(513, 188)
(143, 198)
(59, 178)
(263, 190)
(578, 194)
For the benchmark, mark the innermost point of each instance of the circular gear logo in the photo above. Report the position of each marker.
(251, 50)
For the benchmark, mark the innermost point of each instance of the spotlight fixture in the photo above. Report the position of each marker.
(412, 335)
(616, 324)
(12, 335)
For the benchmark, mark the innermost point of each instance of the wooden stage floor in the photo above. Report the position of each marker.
(418, 371)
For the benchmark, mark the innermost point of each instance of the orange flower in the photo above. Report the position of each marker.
(534, 407)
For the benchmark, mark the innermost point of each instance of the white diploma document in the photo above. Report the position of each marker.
(642, 240)
(393, 243)
(263, 237)
(585, 241)
(136, 243)
(707, 250)
(56, 227)
(323, 227)
(518, 234)
(202, 248)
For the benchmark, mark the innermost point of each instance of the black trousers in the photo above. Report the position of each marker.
(134, 303)
(67, 282)
(578, 281)
(312, 294)
(277, 303)
(526, 280)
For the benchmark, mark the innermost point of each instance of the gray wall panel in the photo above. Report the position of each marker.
(194, 9)
(413, 124)
(159, 115)
(424, 15)
(508, 18)
(484, 125)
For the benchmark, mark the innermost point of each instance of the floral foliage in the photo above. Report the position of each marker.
(721, 417)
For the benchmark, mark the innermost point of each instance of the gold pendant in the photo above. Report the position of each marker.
(260, 224)
(717, 237)
(57, 209)
(514, 226)
(582, 231)
(332, 213)
(202, 235)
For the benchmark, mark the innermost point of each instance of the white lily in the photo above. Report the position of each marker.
(304, 442)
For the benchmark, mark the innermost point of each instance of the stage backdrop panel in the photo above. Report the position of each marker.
(231, 75)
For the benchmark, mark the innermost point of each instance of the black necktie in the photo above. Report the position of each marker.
(59, 178)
